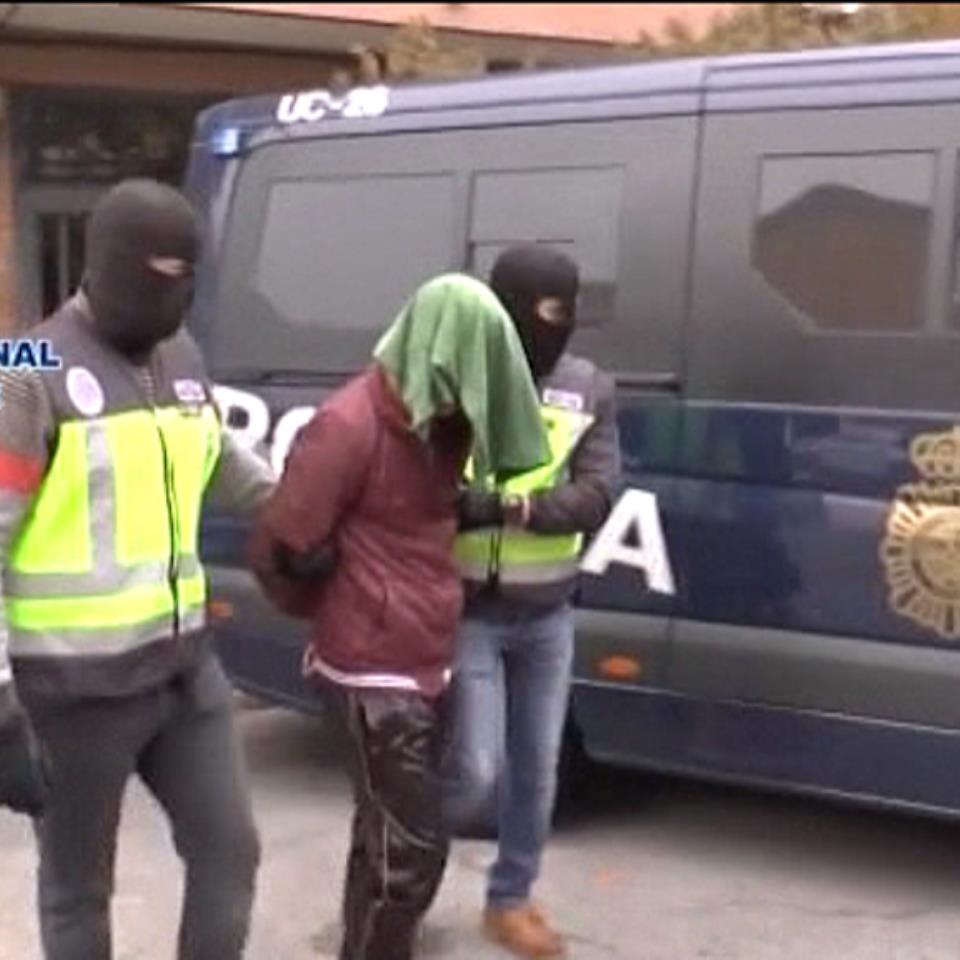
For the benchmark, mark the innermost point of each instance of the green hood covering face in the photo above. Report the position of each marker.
(453, 346)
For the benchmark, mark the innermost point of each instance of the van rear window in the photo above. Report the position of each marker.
(323, 266)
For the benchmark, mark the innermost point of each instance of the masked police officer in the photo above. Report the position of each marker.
(519, 553)
(106, 666)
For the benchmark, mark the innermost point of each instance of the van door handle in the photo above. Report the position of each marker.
(653, 382)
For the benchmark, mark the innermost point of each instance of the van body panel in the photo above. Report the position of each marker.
(770, 271)
(889, 765)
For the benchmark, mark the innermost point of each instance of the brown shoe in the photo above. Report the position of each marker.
(524, 931)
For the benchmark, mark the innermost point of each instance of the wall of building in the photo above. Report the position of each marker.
(152, 68)
(587, 22)
(128, 68)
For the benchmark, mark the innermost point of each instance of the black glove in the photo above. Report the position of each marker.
(316, 564)
(24, 776)
(478, 508)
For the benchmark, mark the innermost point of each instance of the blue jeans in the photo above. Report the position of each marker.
(510, 692)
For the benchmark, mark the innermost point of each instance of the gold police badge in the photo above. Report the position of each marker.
(921, 549)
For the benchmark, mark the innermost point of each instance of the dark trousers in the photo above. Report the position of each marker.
(180, 740)
(398, 848)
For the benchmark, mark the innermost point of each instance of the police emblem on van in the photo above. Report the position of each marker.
(921, 549)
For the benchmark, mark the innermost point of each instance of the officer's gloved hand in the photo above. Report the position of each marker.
(316, 564)
(24, 776)
(479, 508)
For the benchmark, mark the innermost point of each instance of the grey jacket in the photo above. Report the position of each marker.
(582, 504)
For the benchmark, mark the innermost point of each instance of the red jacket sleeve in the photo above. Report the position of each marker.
(323, 473)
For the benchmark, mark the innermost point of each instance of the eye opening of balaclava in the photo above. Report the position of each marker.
(538, 286)
(142, 243)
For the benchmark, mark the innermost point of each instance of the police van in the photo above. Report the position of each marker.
(769, 247)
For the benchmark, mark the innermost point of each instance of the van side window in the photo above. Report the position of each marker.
(319, 238)
(329, 265)
(845, 239)
(573, 210)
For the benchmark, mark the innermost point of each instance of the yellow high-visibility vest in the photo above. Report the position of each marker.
(521, 556)
(107, 558)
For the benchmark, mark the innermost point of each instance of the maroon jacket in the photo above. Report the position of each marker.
(359, 475)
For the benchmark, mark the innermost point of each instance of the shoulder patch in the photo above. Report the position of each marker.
(189, 391)
(85, 392)
(564, 399)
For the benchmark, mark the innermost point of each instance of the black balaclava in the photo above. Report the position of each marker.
(521, 277)
(135, 307)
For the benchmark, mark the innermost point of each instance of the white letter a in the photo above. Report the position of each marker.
(636, 509)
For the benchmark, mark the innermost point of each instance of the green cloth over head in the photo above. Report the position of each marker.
(454, 346)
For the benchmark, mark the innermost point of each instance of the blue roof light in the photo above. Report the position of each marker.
(226, 142)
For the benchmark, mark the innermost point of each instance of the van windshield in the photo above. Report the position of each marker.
(315, 267)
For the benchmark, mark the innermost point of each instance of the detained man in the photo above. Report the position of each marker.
(359, 538)
(519, 551)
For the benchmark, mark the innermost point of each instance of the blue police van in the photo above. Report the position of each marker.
(769, 247)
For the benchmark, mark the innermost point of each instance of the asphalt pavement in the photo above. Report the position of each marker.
(645, 869)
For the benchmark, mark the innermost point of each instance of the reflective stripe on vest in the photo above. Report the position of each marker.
(110, 642)
(519, 556)
(113, 527)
